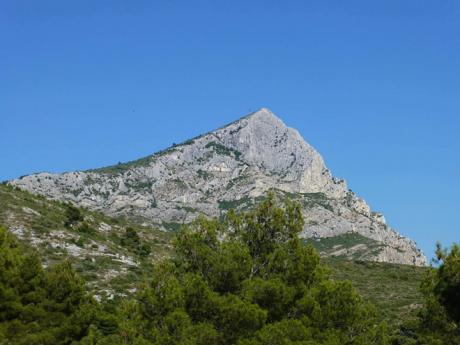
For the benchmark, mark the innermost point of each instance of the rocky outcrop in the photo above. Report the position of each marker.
(231, 167)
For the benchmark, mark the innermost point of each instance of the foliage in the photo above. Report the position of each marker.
(440, 315)
(73, 216)
(132, 240)
(38, 306)
(246, 280)
(223, 150)
(203, 174)
(40, 221)
(121, 168)
(446, 287)
(394, 289)
(226, 205)
(350, 245)
(85, 229)
(438, 319)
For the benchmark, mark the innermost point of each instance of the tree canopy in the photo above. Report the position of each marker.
(246, 279)
(40, 306)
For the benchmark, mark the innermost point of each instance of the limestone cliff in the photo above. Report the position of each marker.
(231, 167)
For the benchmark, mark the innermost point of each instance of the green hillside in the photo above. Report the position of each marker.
(111, 254)
(394, 289)
(101, 251)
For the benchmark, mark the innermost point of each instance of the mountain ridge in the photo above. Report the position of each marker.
(234, 165)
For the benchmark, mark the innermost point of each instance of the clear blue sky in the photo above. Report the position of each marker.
(373, 85)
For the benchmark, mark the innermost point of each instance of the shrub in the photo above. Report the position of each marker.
(72, 216)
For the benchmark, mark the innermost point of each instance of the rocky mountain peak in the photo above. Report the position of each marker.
(266, 142)
(264, 115)
(231, 167)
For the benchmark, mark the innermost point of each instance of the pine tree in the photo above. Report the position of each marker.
(249, 280)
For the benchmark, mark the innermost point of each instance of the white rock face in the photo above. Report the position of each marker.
(230, 167)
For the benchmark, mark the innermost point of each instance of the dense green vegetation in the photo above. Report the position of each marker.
(233, 204)
(245, 279)
(37, 306)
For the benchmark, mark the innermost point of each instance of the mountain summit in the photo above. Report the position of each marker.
(234, 167)
(265, 142)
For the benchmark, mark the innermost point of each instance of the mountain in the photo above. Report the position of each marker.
(234, 167)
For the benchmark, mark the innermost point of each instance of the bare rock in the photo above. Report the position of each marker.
(231, 167)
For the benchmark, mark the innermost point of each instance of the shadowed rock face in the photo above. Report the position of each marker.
(231, 167)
